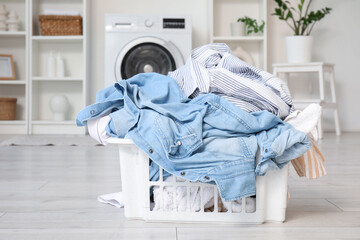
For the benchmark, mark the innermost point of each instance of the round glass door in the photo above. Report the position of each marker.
(146, 57)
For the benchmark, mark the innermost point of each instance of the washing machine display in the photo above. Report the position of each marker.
(142, 43)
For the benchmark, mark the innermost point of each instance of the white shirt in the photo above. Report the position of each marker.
(97, 128)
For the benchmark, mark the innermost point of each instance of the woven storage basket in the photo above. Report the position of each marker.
(51, 25)
(7, 108)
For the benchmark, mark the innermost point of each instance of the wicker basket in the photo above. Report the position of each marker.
(51, 25)
(8, 108)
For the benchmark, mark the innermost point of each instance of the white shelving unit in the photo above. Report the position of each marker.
(13, 34)
(16, 44)
(74, 86)
(223, 12)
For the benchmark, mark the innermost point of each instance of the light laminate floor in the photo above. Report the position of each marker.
(50, 193)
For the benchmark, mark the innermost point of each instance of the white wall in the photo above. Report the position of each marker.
(336, 40)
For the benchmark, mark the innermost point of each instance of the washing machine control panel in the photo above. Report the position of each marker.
(148, 23)
(174, 23)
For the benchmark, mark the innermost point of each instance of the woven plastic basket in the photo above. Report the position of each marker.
(51, 25)
(8, 108)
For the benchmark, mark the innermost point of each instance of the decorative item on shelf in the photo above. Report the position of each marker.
(299, 46)
(8, 108)
(252, 26)
(237, 29)
(3, 26)
(51, 65)
(59, 106)
(244, 55)
(60, 22)
(60, 70)
(3, 17)
(13, 22)
(7, 68)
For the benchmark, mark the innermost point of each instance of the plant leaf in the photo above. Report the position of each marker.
(300, 7)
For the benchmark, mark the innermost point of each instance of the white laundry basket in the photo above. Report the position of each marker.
(271, 193)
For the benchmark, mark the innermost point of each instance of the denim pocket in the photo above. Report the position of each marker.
(249, 145)
(183, 146)
(178, 138)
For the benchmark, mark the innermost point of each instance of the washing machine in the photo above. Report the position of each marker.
(144, 43)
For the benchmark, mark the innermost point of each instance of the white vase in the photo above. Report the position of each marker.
(59, 106)
(237, 29)
(299, 49)
(51, 65)
(3, 26)
(3, 12)
(59, 66)
(13, 22)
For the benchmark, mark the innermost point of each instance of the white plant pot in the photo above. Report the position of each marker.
(238, 29)
(299, 49)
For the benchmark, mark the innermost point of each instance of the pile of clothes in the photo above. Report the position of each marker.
(207, 120)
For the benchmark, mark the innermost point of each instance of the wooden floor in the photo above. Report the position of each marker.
(50, 193)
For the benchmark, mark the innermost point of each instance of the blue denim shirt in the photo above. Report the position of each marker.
(205, 139)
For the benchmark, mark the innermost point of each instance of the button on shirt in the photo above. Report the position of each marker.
(154, 112)
(213, 68)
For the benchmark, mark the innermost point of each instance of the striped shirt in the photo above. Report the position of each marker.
(213, 68)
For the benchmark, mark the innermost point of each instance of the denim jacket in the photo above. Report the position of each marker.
(205, 139)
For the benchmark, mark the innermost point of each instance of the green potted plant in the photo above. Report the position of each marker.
(252, 26)
(301, 20)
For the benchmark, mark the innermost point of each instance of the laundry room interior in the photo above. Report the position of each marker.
(186, 119)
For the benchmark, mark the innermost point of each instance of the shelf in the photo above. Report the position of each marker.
(13, 127)
(8, 82)
(223, 13)
(55, 127)
(306, 101)
(72, 53)
(74, 38)
(33, 89)
(50, 122)
(56, 79)
(242, 38)
(13, 34)
(12, 122)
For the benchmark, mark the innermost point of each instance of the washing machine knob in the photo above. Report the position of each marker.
(148, 23)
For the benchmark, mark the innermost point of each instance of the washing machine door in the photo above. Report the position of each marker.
(147, 54)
